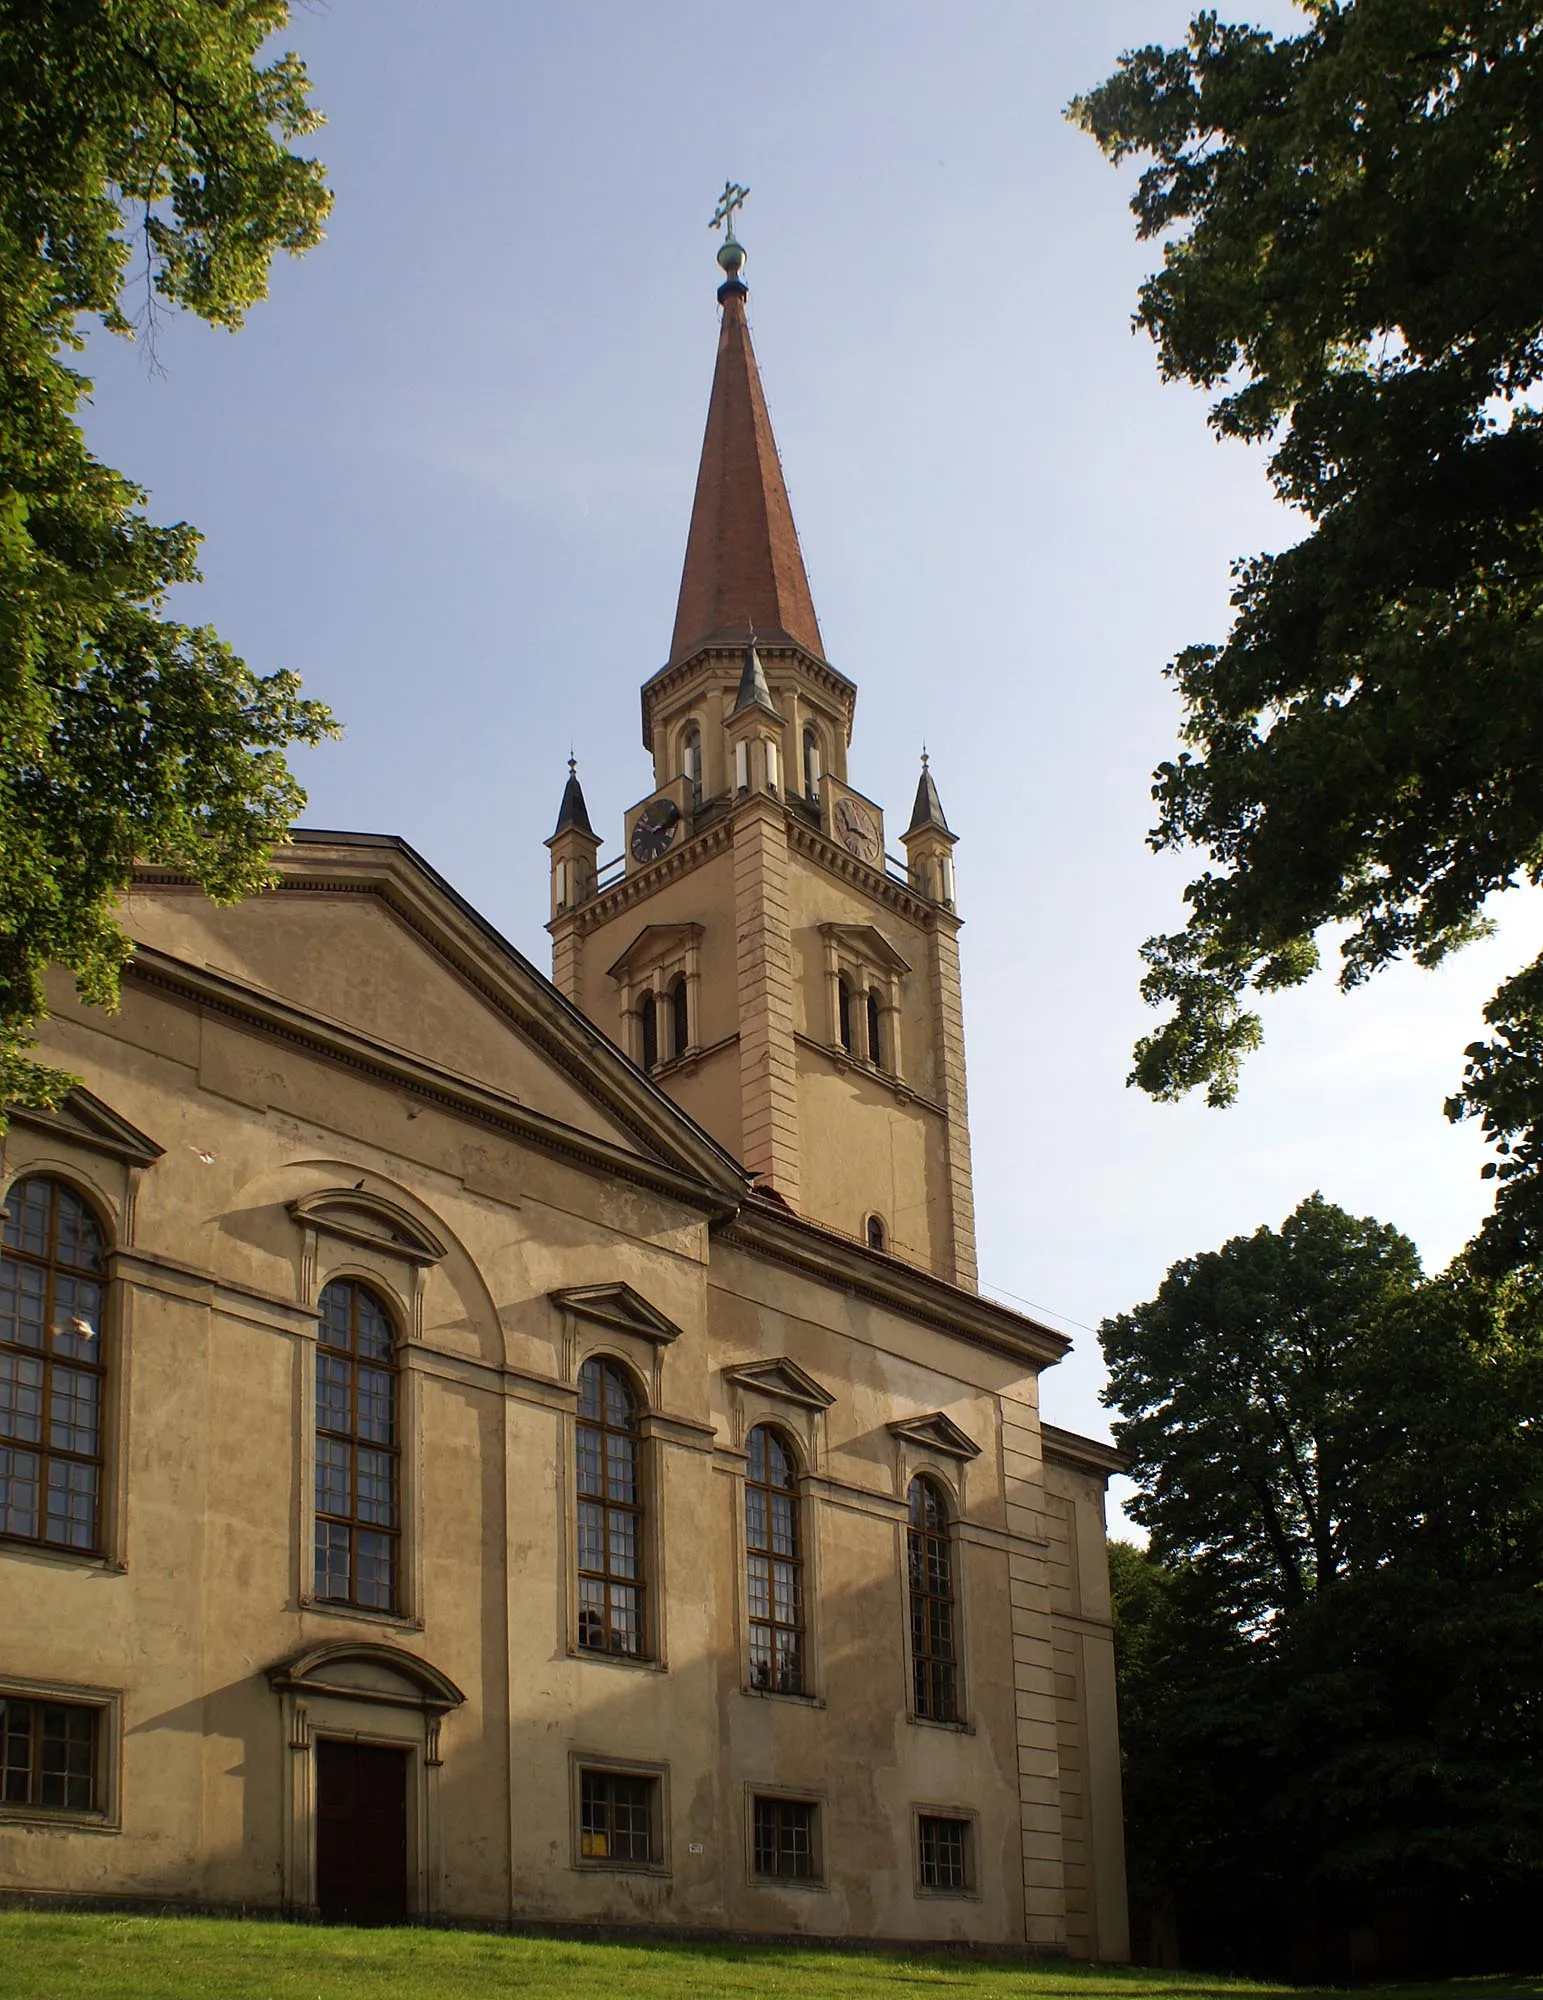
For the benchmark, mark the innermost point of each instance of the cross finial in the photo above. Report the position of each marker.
(924, 756)
(733, 197)
(573, 762)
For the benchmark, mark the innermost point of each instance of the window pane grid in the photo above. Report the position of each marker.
(610, 1513)
(616, 1816)
(944, 1853)
(784, 1839)
(357, 1459)
(930, 1566)
(774, 1569)
(51, 1372)
(47, 1755)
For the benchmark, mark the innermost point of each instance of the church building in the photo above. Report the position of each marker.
(484, 1448)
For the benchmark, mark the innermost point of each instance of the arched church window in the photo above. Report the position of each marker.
(680, 1018)
(930, 1562)
(873, 1229)
(774, 1563)
(875, 1031)
(610, 1512)
(648, 1030)
(811, 762)
(52, 1375)
(691, 765)
(844, 1013)
(357, 1517)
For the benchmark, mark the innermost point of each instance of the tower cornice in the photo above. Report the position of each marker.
(723, 655)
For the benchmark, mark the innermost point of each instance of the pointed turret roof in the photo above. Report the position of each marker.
(744, 568)
(573, 812)
(928, 809)
(753, 690)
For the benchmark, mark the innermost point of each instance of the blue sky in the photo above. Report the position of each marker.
(445, 473)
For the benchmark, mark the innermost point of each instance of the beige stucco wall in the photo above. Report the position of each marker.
(210, 1341)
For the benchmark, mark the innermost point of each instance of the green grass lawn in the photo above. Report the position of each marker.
(66, 1957)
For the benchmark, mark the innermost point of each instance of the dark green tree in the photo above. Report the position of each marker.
(1352, 233)
(1328, 1658)
(143, 143)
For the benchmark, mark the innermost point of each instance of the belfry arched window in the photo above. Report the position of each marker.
(811, 762)
(875, 1031)
(873, 1229)
(610, 1511)
(648, 1030)
(774, 1563)
(358, 1526)
(680, 1017)
(844, 1013)
(52, 1374)
(930, 1565)
(691, 764)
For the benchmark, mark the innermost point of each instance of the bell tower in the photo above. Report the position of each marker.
(755, 946)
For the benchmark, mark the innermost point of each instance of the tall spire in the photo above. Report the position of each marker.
(744, 569)
(928, 809)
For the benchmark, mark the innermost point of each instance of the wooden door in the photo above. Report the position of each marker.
(361, 1833)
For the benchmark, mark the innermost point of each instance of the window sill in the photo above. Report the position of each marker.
(635, 1663)
(803, 1883)
(781, 1694)
(61, 1822)
(53, 1554)
(331, 1607)
(585, 1866)
(946, 1895)
(934, 1722)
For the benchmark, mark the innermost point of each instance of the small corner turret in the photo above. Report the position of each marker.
(929, 845)
(574, 846)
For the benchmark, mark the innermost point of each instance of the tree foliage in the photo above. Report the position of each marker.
(1352, 240)
(1328, 1656)
(143, 144)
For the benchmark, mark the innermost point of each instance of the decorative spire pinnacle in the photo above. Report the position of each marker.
(731, 256)
(753, 691)
(928, 809)
(742, 555)
(573, 812)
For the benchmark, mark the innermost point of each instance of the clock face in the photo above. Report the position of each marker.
(857, 830)
(654, 828)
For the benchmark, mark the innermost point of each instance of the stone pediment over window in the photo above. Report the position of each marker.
(84, 1118)
(936, 1433)
(369, 1219)
(362, 1671)
(619, 1307)
(866, 942)
(784, 1379)
(654, 944)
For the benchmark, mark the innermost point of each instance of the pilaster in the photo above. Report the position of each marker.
(768, 1082)
(948, 1017)
(1041, 1833)
(568, 959)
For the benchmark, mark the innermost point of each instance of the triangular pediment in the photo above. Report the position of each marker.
(784, 1379)
(370, 1219)
(653, 942)
(867, 941)
(84, 1118)
(936, 1432)
(363, 941)
(619, 1307)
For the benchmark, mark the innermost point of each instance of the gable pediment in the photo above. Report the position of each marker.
(936, 1432)
(84, 1118)
(866, 941)
(783, 1379)
(369, 1219)
(653, 943)
(618, 1307)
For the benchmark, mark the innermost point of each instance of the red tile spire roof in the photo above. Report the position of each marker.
(744, 569)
